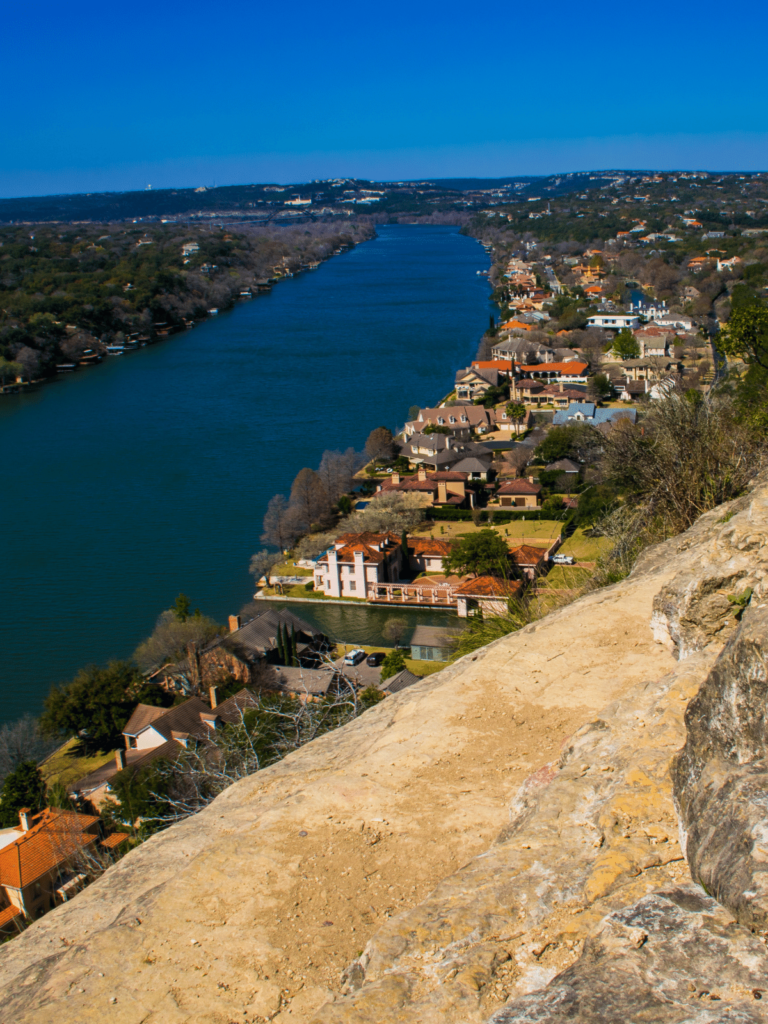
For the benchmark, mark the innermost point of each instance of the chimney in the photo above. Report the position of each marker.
(442, 492)
(422, 473)
(395, 478)
(561, 385)
(120, 759)
(531, 480)
(234, 623)
(25, 819)
(214, 695)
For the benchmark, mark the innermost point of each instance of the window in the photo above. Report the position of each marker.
(463, 419)
(451, 419)
(352, 585)
(440, 420)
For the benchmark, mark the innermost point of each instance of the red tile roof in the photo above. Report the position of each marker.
(526, 554)
(519, 487)
(427, 546)
(489, 586)
(9, 914)
(55, 837)
(573, 367)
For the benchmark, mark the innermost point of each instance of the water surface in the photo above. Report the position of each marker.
(129, 482)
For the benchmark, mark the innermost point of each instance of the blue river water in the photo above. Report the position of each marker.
(127, 483)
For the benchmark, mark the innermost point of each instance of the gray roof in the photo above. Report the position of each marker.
(316, 681)
(432, 636)
(260, 634)
(435, 441)
(564, 466)
(400, 681)
(470, 465)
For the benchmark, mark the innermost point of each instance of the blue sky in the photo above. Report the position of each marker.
(103, 96)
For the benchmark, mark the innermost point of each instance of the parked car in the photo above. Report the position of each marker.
(354, 657)
(563, 559)
(374, 660)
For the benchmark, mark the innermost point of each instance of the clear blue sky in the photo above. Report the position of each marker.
(115, 96)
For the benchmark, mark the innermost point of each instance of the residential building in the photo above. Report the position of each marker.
(357, 559)
(43, 860)
(398, 682)
(432, 643)
(472, 383)
(504, 367)
(503, 421)
(564, 466)
(461, 420)
(530, 561)
(489, 594)
(587, 412)
(519, 494)
(444, 487)
(427, 555)
(243, 650)
(524, 350)
(614, 321)
(571, 372)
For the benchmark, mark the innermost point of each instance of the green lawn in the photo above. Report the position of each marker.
(287, 568)
(540, 533)
(419, 668)
(66, 765)
(566, 577)
(587, 548)
(299, 590)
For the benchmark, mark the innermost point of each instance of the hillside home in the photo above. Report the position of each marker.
(460, 420)
(519, 494)
(357, 559)
(614, 321)
(431, 643)
(529, 561)
(571, 372)
(488, 594)
(43, 860)
(503, 421)
(472, 383)
(427, 555)
(587, 412)
(505, 367)
(440, 488)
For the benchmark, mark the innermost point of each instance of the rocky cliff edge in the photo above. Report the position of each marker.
(499, 842)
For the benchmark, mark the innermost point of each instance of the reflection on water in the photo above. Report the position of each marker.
(353, 624)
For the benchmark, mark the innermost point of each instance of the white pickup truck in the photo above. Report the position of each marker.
(562, 559)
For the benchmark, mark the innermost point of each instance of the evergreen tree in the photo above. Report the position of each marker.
(24, 787)
(280, 645)
(294, 648)
(404, 546)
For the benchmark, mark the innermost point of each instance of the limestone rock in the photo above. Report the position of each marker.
(694, 964)
(721, 776)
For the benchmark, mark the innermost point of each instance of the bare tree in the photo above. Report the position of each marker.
(380, 444)
(21, 741)
(280, 523)
(309, 499)
(173, 640)
(337, 471)
(262, 563)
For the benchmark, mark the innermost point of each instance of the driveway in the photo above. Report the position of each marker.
(361, 675)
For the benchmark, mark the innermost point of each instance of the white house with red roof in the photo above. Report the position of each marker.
(357, 559)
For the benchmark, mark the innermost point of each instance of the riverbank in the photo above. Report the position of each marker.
(123, 517)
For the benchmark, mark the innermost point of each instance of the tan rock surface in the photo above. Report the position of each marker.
(393, 836)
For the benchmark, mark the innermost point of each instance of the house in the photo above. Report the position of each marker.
(444, 487)
(43, 860)
(653, 340)
(460, 420)
(524, 350)
(675, 321)
(571, 372)
(309, 683)
(650, 368)
(503, 421)
(431, 643)
(398, 682)
(472, 383)
(242, 652)
(587, 412)
(475, 469)
(519, 494)
(357, 559)
(427, 555)
(505, 367)
(529, 560)
(488, 594)
(564, 466)
(614, 321)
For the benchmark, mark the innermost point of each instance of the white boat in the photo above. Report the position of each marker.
(212, 312)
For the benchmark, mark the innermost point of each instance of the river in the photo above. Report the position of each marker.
(127, 483)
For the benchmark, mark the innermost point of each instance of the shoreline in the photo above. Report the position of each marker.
(362, 604)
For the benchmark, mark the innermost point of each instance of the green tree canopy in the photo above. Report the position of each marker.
(745, 336)
(24, 787)
(392, 664)
(97, 703)
(480, 553)
(625, 345)
(516, 410)
(570, 441)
